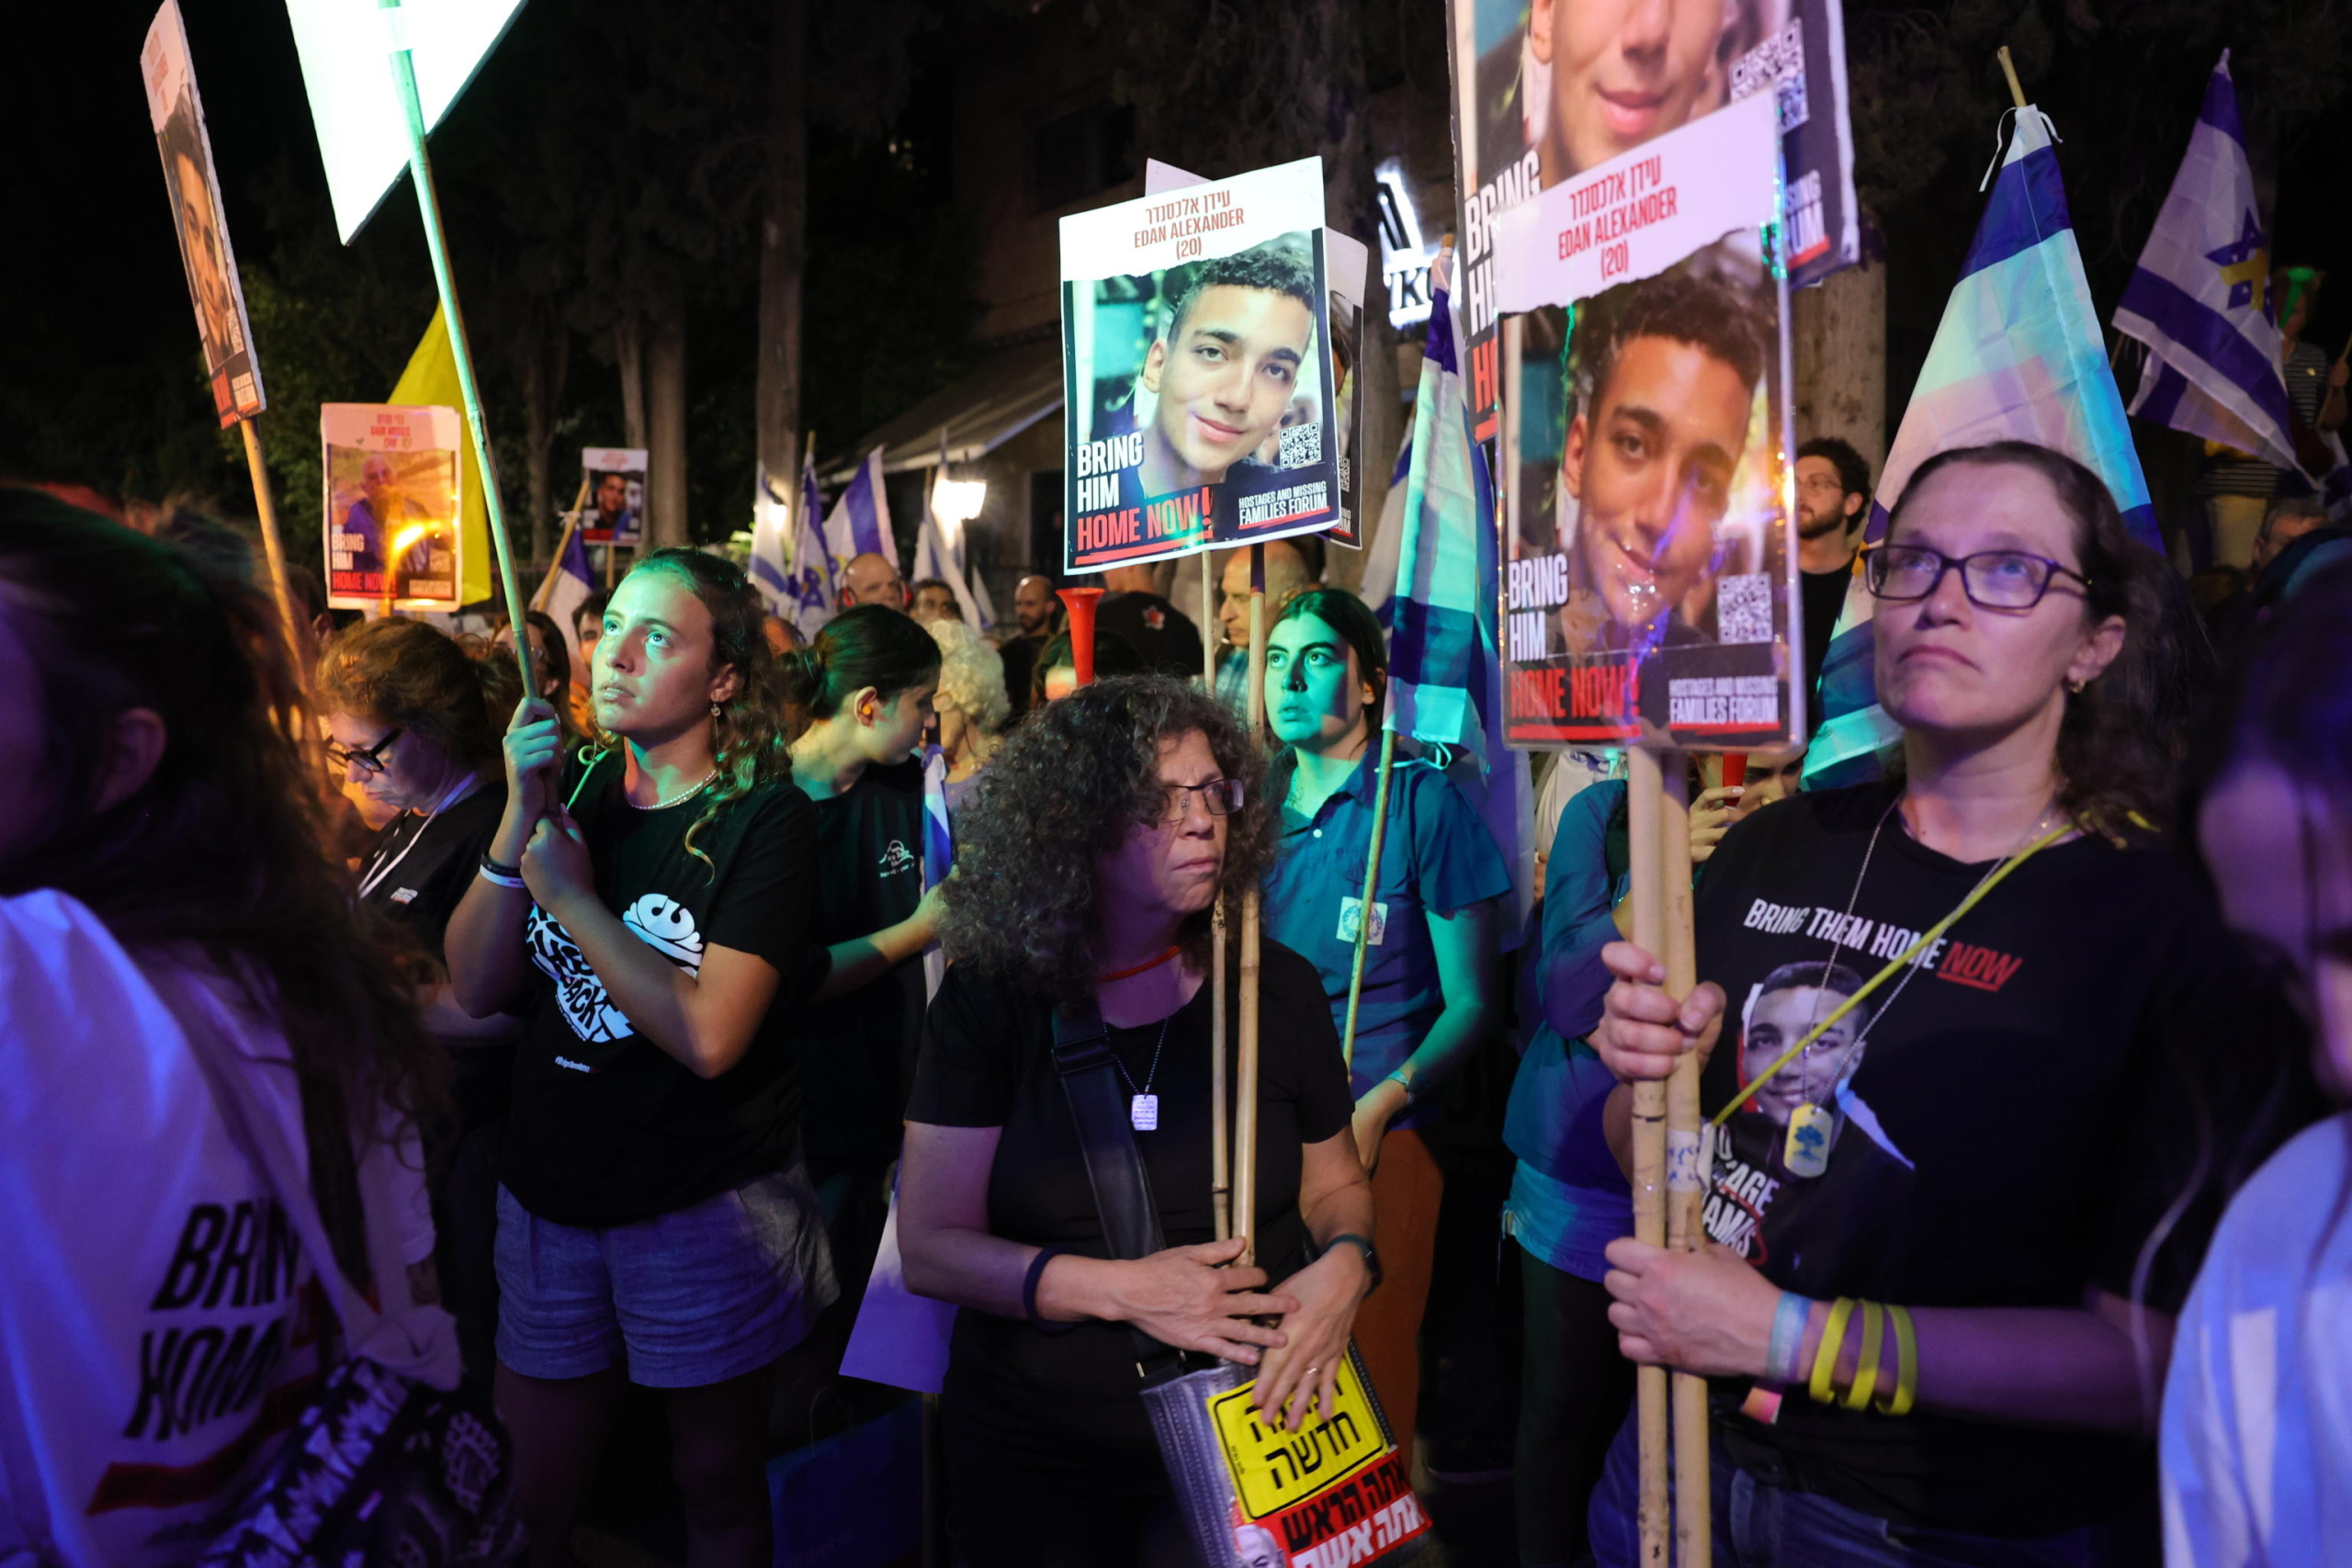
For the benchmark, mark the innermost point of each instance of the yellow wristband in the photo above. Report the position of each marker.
(1858, 1397)
(1907, 1383)
(1824, 1361)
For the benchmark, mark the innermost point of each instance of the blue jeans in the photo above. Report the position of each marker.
(1759, 1524)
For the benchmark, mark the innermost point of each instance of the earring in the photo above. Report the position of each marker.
(2076, 686)
(717, 712)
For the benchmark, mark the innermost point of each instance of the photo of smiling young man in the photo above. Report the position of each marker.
(1225, 367)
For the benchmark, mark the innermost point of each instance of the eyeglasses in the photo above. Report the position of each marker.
(370, 761)
(1222, 797)
(1994, 580)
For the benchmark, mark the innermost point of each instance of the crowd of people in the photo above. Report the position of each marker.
(609, 1021)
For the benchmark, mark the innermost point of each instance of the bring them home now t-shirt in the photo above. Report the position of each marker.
(606, 1127)
(2012, 1132)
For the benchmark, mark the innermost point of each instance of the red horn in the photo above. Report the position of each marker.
(1082, 629)
(1735, 768)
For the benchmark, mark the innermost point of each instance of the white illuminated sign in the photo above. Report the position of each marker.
(1405, 258)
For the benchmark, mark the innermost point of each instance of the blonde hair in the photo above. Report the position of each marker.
(971, 676)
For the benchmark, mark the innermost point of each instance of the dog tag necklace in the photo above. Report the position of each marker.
(1143, 1106)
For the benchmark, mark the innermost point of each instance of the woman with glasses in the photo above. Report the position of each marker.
(1428, 984)
(1952, 1026)
(1102, 832)
(410, 728)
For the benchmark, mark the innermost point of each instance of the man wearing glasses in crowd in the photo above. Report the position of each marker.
(1833, 499)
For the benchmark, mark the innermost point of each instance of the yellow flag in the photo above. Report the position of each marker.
(432, 378)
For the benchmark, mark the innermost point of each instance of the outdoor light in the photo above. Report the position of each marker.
(958, 501)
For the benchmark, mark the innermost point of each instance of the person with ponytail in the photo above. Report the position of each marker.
(1952, 1026)
(2256, 1447)
(644, 907)
(868, 683)
(409, 725)
(184, 985)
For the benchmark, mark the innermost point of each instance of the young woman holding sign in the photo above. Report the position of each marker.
(1954, 1232)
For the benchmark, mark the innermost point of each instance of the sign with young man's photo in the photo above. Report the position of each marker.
(616, 510)
(1196, 352)
(1545, 90)
(391, 506)
(1648, 568)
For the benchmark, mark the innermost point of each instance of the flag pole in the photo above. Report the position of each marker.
(274, 546)
(1244, 1072)
(437, 243)
(1644, 805)
(1685, 1182)
(2009, 70)
(562, 543)
(1220, 1153)
(1371, 887)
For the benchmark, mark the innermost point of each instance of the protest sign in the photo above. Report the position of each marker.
(391, 506)
(1350, 267)
(178, 115)
(1197, 370)
(1648, 568)
(1545, 90)
(615, 477)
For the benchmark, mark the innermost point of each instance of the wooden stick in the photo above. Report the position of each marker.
(1685, 1182)
(1245, 1071)
(1220, 1102)
(2009, 70)
(571, 527)
(1645, 844)
(274, 546)
(1371, 887)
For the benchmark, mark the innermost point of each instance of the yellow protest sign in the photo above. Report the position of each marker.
(1274, 1470)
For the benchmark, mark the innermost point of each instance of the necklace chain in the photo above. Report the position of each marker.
(683, 796)
(1152, 1076)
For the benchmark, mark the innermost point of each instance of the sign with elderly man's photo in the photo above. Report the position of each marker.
(391, 506)
(1196, 351)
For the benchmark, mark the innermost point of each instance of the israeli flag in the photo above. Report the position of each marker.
(938, 852)
(797, 583)
(860, 522)
(2200, 297)
(569, 584)
(2017, 357)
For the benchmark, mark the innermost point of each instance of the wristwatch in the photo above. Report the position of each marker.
(1371, 1258)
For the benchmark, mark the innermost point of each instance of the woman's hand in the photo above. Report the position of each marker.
(1181, 1298)
(1706, 1311)
(1380, 1104)
(1304, 1375)
(1712, 816)
(534, 759)
(1643, 1031)
(922, 926)
(556, 865)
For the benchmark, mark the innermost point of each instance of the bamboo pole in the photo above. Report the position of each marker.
(1371, 887)
(1685, 1182)
(1645, 803)
(2009, 70)
(428, 204)
(1220, 1152)
(563, 541)
(273, 545)
(1244, 1114)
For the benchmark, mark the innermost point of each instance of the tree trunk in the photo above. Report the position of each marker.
(628, 357)
(665, 377)
(1840, 332)
(783, 248)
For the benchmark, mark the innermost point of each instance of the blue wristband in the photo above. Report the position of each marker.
(1788, 1338)
(1029, 1291)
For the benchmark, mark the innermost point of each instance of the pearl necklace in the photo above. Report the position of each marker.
(683, 796)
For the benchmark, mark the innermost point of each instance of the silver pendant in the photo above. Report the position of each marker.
(1144, 1111)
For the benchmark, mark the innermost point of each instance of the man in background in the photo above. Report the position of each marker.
(1833, 495)
(870, 578)
(1133, 609)
(1292, 566)
(934, 600)
(1038, 615)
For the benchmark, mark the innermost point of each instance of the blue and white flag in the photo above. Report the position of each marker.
(936, 558)
(1444, 658)
(938, 852)
(569, 584)
(859, 523)
(770, 568)
(798, 583)
(2017, 357)
(2200, 297)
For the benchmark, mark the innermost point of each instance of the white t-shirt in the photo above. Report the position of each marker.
(2257, 1422)
(159, 1319)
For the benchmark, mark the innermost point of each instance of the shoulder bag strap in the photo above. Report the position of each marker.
(1106, 1138)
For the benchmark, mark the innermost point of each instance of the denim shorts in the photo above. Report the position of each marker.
(683, 1300)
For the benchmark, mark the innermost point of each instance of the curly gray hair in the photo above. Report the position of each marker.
(971, 675)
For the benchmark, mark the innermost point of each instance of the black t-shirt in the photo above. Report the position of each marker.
(607, 1127)
(416, 872)
(1020, 655)
(1824, 595)
(2008, 1131)
(857, 1052)
(987, 1062)
(1163, 634)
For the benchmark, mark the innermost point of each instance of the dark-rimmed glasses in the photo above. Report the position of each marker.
(371, 760)
(1994, 580)
(1222, 797)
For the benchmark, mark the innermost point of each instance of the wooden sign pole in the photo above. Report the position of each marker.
(1645, 803)
(564, 542)
(1244, 1114)
(1220, 1152)
(1685, 1182)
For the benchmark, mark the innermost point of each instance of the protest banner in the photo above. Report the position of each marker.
(615, 479)
(1197, 370)
(392, 540)
(1546, 90)
(1649, 570)
(1351, 268)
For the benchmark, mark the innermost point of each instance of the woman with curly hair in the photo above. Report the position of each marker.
(654, 1219)
(973, 705)
(1087, 866)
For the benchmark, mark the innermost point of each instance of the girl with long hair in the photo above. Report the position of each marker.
(643, 909)
(2257, 1450)
(176, 955)
(1953, 1224)
(867, 684)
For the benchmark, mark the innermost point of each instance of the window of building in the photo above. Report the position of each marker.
(1074, 155)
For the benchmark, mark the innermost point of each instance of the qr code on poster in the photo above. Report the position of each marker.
(1743, 608)
(1302, 445)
